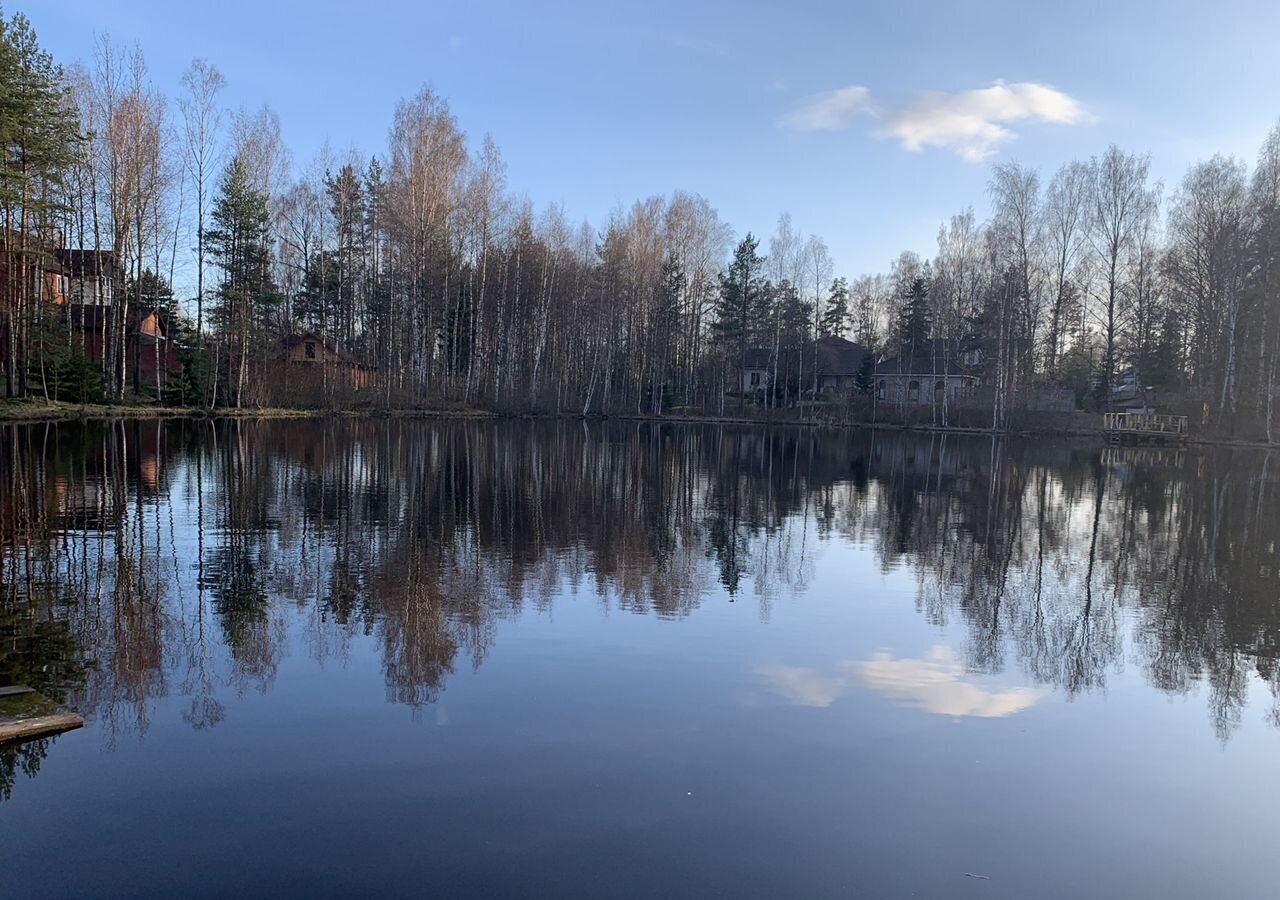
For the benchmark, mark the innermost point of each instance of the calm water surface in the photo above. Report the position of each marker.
(504, 660)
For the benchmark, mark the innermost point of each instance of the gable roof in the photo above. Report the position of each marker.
(837, 356)
(757, 358)
(95, 316)
(938, 356)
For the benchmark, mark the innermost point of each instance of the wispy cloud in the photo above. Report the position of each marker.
(973, 124)
(803, 686)
(830, 110)
(937, 684)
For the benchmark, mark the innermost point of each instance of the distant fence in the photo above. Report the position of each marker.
(1153, 425)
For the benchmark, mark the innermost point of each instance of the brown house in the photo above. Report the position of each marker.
(79, 284)
(147, 331)
(309, 356)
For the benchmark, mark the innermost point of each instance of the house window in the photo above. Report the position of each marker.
(880, 390)
(913, 392)
(310, 349)
(755, 379)
(939, 391)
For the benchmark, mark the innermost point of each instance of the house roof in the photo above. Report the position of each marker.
(94, 316)
(836, 356)
(757, 358)
(50, 265)
(933, 357)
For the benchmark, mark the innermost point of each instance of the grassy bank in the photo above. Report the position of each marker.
(41, 411)
(31, 411)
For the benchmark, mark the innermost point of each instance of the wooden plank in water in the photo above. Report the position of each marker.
(14, 690)
(38, 727)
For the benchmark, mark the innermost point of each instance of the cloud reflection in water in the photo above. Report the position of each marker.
(938, 683)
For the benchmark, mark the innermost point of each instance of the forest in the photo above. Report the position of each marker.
(419, 263)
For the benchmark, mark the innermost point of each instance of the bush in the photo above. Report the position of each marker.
(69, 376)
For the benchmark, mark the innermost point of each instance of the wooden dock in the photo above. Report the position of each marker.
(26, 714)
(40, 726)
(1134, 427)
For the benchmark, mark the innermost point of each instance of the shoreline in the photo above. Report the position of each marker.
(27, 412)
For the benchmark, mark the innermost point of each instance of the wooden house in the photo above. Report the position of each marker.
(149, 349)
(309, 356)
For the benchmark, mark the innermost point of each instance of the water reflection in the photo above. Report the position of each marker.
(939, 683)
(144, 560)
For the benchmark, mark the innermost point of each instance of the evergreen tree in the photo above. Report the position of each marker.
(915, 325)
(672, 286)
(347, 202)
(866, 377)
(67, 374)
(377, 290)
(794, 318)
(742, 306)
(240, 245)
(153, 291)
(835, 318)
(1162, 368)
(39, 140)
(315, 304)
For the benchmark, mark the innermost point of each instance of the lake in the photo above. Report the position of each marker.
(554, 659)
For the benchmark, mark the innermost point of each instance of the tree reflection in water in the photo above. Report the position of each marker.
(139, 559)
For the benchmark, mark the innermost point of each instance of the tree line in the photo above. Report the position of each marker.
(420, 260)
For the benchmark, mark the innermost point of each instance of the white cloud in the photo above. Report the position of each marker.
(937, 684)
(831, 110)
(975, 123)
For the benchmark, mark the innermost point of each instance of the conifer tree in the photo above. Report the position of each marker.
(916, 323)
(742, 307)
(39, 139)
(835, 318)
(240, 245)
(672, 286)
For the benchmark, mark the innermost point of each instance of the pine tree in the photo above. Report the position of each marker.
(794, 317)
(915, 324)
(670, 299)
(347, 204)
(39, 140)
(240, 245)
(742, 303)
(742, 307)
(835, 318)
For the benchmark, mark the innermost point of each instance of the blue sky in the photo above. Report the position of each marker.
(596, 105)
